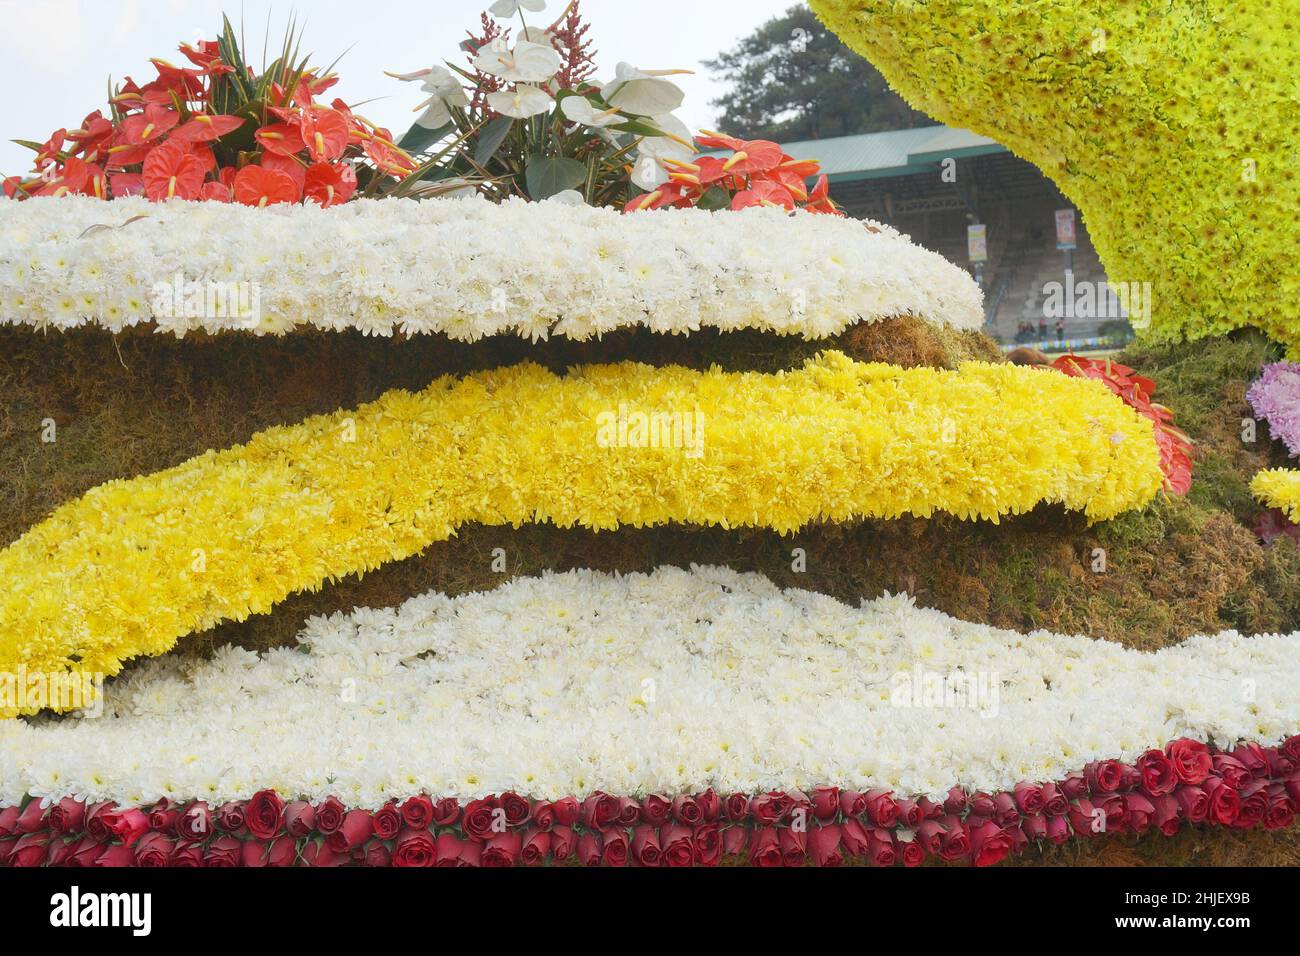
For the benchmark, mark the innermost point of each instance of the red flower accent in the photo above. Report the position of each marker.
(257, 186)
(204, 128)
(172, 172)
(325, 133)
(282, 138)
(330, 185)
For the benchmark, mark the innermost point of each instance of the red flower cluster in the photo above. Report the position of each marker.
(757, 173)
(205, 132)
(1186, 783)
(1137, 391)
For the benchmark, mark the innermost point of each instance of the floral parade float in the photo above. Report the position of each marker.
(639, 349)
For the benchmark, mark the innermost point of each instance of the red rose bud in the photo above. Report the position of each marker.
(1074, 786)
(32, 849)
(1103, 776)
(1005, 811)
(932, 834)
(1191, 760)
(1055, 803)
(645, 845)
(536, 847)
(708, 844)
(414, 847)
(981, 805)
(825, 802)
(566, 811)
(598, 811)
(613, 847)
(853, 836)
(376, 854)
(589, 849)
(163, 817)
(989, 843)
(1194, 802)
(224, 851)
(450, 850)
(955, 803)
(734, 840)
(320, 856)
(253, 853)
(737, 807)
(824, 842)
(794, 846)
(765, 848)
(1254, 804)
(516, 807)
(1018, 839)
(186, 855)
(283, 851)
(329, 815)
(710, 805)
(127, 826)
(909, 813)
(9, 820)
(929, 809)
(676, 844)
(264, 814)
(542, 814)
(853, 803)
(230, 817)
(1225, 802)
(1165, 814)
(68, 814)
(356, 828)
(154, 850)
(483, 818)
(1138, 811)
(1157, 773)
(1279, 815)
(417, 812)
(880, 849)
(194, 825)
(387, 821)
(32, 819)
(882, 810)
(687, 811)
(299, 818)
(1279, 763)
(629, 811)
(913, 854)
(1058, 829)
(1028, 798)
(563, 842)
(1086, 819)
(956, 844)
(446, 812)
(1130, 780)
(96, 829)
(655, 809)
(1292, 784)
(1234, 773)
(770, 807)
(1113, 807)
(1034, 826)
(502, 849)
(1251, 756)
(116, 856)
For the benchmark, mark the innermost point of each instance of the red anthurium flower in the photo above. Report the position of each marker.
(257, 186)
(385, 154)
(94, 137)
(755, 156)
(148, 126)
(287, 165)
(282, 138)
(325, 132)
(819, 200)
(202, 54)
(763, 193)
(51, 148)
(680, 195)
(204, 128)
(329, 184)
(172, 172)
(126, 184)
(711, 140)
(792, 181)
(216, 192)
(70, 177)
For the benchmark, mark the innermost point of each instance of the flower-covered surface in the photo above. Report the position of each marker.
(1279, 488)
(133, 565)
(467, 268)
(570, 687)
(1172, 125)
(1275, 397)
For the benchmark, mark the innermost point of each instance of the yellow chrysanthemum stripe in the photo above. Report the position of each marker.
(134, 565)
(1279, 488)
(1171, 123)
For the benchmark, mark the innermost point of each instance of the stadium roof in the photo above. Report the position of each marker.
(902, 152)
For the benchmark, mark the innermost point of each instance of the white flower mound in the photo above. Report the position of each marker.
(669, 682)
(466, 267)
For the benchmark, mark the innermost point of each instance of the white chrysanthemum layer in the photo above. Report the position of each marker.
(669, 682)
(465, 267)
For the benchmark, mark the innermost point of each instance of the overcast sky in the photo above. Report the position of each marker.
(56, 55)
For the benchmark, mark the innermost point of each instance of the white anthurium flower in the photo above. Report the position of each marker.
(505, 9)
(526, 63)
(648, 173)
(569, 197)
(643, 92)
(675, 144)
(524, 101)
(445, 91)
(537, 35)
(579, 109)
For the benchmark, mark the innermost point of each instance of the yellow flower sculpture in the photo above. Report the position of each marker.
(1174, 125)
(1279, 488)
(134, 565)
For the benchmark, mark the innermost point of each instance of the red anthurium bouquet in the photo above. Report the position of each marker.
(757, 173)
(1137, 391)
(217, 130)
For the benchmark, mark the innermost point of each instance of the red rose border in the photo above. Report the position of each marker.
(1187, 783)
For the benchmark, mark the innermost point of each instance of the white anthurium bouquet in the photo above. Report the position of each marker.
(524, 116)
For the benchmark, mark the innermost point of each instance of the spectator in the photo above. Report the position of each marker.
(1060, 332)
(1042, 330)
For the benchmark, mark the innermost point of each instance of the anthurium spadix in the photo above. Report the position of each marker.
(526, 63)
